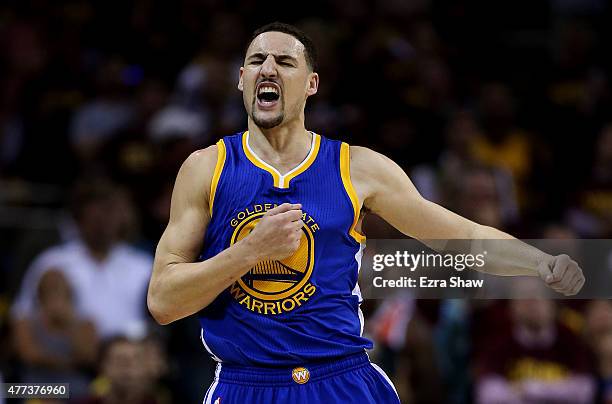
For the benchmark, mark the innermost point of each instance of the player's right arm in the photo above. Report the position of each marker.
(179, 286)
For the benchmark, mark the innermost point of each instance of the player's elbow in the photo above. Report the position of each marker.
(160, 312)
(160, 316)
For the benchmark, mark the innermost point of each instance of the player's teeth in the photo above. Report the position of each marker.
(267, 90)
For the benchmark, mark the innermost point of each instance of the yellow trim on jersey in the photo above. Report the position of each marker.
(345, 173)
(306, 163)
(255, 160)
(282, 181)
(217, 174)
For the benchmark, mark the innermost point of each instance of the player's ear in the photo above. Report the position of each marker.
(313, 84)
(240, 85)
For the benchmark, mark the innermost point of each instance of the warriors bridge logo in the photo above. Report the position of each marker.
(275, 286)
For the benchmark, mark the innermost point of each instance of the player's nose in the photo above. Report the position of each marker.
(268, 67)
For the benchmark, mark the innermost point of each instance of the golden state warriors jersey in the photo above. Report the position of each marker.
(301, 309)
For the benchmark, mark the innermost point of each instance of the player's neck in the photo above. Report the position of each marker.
(281, 138)
(281, 146)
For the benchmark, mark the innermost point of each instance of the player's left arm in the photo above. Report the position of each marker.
(386, 190)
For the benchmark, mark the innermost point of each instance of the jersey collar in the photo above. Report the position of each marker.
(282, 180)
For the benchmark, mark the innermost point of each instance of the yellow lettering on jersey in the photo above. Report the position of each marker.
(309, 289)
(257, 305)
(269, 308)
(299, 297)
(259, 208)
(278, 307)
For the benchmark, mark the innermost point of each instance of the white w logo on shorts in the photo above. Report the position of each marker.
(300, 375)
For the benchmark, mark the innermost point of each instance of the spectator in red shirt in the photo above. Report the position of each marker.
(538, 361)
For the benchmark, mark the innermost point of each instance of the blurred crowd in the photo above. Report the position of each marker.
(500, 111)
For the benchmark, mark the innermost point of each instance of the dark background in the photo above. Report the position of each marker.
(500, 111)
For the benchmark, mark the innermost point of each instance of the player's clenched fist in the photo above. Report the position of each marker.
(278, 233)
(562, 274)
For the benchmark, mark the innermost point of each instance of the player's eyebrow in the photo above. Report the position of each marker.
(279, 57)
(285, 57)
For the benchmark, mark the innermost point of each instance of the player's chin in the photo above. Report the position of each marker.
(267, 120)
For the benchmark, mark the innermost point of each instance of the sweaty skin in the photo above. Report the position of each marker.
(180, 286)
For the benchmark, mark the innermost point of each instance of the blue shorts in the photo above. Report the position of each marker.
(349, 380)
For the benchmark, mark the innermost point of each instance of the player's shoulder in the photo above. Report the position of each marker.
(200, 164)
(202, 158)
(196, 173)
(366, 159)
(362, 153)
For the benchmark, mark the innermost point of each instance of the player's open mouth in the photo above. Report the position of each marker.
(268, 95)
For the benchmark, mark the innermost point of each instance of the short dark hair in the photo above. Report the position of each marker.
(310, 52)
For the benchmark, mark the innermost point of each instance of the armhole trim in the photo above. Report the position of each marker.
(217, 174)
(345, 174)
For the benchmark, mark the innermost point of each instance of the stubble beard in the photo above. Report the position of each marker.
(268, 123)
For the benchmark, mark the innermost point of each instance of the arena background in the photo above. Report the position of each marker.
(499, 110)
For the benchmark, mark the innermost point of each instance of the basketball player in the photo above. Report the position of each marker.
(264, 243)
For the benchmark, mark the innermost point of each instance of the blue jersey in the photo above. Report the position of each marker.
(301, 309)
